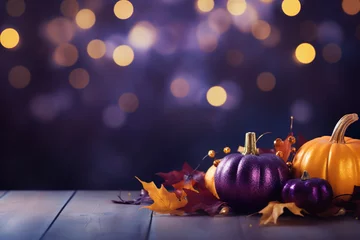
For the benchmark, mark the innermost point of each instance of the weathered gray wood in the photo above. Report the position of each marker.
(165, 227)
(91, 215)
(298, 228)
(27, 214)
(2, 193)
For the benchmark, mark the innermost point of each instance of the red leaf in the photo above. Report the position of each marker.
(186, 174)
(202, 201)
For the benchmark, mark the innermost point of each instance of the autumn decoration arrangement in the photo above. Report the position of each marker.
(321, 178)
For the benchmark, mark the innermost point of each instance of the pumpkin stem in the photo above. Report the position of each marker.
(339, 131)
(305, 176)
(250, 144)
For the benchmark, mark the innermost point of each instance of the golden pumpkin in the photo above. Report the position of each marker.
(335, 158)
(209, 179)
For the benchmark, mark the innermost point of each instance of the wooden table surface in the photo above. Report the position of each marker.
(90, 215)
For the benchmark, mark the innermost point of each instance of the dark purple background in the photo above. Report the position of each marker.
(77, 151)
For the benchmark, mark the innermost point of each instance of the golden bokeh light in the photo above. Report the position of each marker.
(219, 20)
(19, 77)
(96, 49)
(332, 53)
(261, 30)
(128, 102)
(205, 5)
(274, 38)
(216, 96)
(69, 8)
(266, 81)
(234, 58)
(60, 30)
(123, 55)
(123, 9)
(291, 8)
(180, 88)
(15, 8)
(305, 53)
(245, 21)
(85, 18)
(9, 38)
(143, 35)
(351, 7)
(65, 55)
(236, 7)
(79, 78)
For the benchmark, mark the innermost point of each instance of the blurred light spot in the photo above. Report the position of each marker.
(234, 58)
(69, 8)
(308, 31)
(65, 55)
(233, 94)
(79, 78)
(301, 110)
(219, 20)
(291, 8)
(261, 30)
(85, 18)
(207, 38)
(351, 7)
(205, 5)
(128, 102)
(143, 35)
(305, 53)
(180, 88)
(123, 9)
(236, 7)
(245, 21)
(216, 96)
(357, 33)
(47, 107)
(123, 55)
(113, 117)
(167, 40)
(96, 49)
(9, 38)
(19, 77)
(332, 53)
(60, 30)
(15, 8)
(266, 81)
(330, 31)
(267, 1)
(273, 39)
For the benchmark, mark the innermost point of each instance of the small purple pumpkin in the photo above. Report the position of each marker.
(249, 181)
(312, 194)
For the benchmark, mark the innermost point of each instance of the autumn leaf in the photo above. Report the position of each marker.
(164, 202)
(275, 209)
(187, 173)
(203, 200)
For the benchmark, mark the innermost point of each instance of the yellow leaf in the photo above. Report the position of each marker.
(273, 210)
(164, 202)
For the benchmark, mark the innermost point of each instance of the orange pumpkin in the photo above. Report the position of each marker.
(335, 158)
(209, 179)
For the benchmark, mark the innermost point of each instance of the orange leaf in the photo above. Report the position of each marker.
(164, 202)
(185, 184)
(274, 209)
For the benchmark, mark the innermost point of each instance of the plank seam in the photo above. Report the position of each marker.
(57, 215)
(6, 192)
(147, 237)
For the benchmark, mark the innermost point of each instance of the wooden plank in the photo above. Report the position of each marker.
(165, 227)
(298, 228)
(27, 214)
(91, 215)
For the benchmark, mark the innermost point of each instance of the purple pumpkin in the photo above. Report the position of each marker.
(249, 181)
(312, 194)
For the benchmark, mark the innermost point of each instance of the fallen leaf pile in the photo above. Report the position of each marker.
(189, 193)
(274, 209)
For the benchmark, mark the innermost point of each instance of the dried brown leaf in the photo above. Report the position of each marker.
(275, 209)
